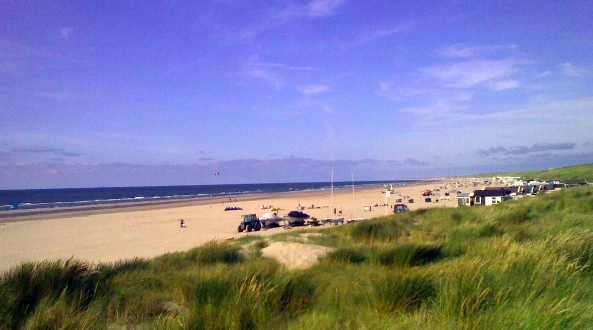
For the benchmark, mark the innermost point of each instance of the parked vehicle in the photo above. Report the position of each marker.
(269, 220)
(250, 222)
(296, 218)
(312, 222)
(399, 208)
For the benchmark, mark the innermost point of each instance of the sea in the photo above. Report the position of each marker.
(55, 198)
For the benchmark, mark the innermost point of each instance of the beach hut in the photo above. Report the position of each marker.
(490, 197)
(464, 199)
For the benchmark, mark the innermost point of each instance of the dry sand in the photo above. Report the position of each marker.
(113, 234)
(295, 255)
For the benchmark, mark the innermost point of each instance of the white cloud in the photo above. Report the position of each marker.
(264, 75)
(384, 86)
(313, 89)
(321, 8)
(284, 66)
(501, 85)
(65, 32)
(328, 109)
(464, 51)
(471, 73)
(375, 35)
(571, 70)
(544, 74)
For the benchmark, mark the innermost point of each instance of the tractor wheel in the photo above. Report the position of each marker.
(257, 226)
(240, 230)
(249, 228)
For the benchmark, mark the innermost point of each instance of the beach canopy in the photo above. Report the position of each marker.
(270, 216)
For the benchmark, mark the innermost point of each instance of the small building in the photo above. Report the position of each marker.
(464, 199)
(490, 197)
(575, 183)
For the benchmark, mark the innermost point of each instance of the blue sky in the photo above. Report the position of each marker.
(120, 93)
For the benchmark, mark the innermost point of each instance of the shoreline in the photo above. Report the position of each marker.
(72, 211)
(110, 234)
(7, 216)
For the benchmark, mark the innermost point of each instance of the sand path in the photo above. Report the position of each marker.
(295, 255)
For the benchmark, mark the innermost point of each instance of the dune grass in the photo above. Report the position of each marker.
(523, 264)
(575, 172)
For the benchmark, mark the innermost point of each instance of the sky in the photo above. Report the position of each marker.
(133, 93)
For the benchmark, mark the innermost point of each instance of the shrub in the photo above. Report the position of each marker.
(377, 230)
(519, 213)
(208, 290)
(61, 314)
(137, 296)
(293, 294)
(409, 255)
(397, 292)
(489, 230)
(347, 255)
(456, 216)
(23, 287)
(467, 290)
(109, 270)
(218, 252)
(576, 245)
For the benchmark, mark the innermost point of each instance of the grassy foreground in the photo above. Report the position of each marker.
(575, 172)
(518, 265)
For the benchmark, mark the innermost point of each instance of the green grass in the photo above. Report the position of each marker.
(525, 264)
(575, 172)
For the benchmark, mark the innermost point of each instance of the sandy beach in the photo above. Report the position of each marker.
(111, 234)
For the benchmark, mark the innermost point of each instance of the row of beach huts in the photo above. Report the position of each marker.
(501, 189)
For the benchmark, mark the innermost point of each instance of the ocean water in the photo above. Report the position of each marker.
(52, 198)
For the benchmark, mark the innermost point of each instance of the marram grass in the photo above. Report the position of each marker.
(519, 265)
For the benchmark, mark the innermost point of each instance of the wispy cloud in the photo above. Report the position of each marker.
(501, 85)
(407, 162)
(415, 162)
(322, 8)
(65, 32)
(570, 70)
(439, 111)
(263, 74)
(263, 17)
(329, 109)
(384, 85)
(284, 66)
(46, 150)
(544, 74)
(313, 89)
(466, 51)
(524, 150)
(471, 73)
(370, 36)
